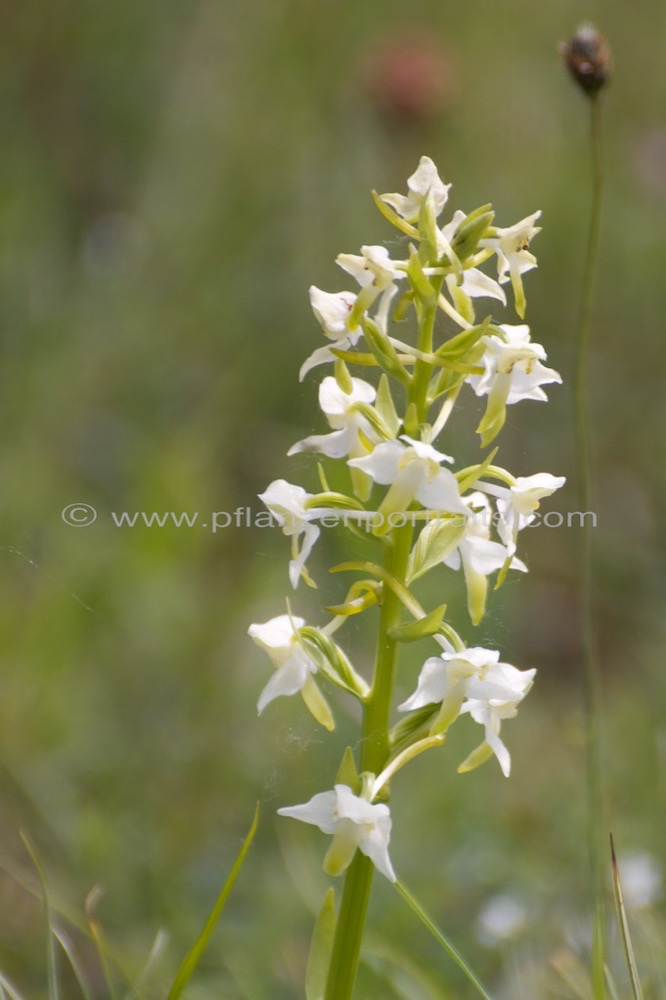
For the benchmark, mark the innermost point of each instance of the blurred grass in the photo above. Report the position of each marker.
(173, 178)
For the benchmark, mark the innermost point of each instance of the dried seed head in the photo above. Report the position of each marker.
(588, 58)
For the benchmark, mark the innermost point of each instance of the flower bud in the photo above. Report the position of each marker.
(588, 58)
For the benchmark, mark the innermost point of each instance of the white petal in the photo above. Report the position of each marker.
(332, 310)
(321, 811)
(374, 844)
(335, 445)
(432, 685)
(287, 679)
(276, 634)
(382, 464)
(476, 284)
(442, 494)
(311, 533)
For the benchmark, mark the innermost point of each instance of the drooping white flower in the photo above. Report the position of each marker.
(513, 370)
(413, 471)
(479, 555)
(517, 504)
(286, 502)
(333, 311)
(445, 678)
(375, 272)
(340, 409)
(489, 710)
(425, 182)
(513, 256)
(279, 638)
(472, 680)
(354, 822)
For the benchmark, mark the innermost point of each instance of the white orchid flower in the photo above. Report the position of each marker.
(513, 256)
(489, 709)
(517, 504)
(425, 182)
(445, 678)
(286, 502)
(354, 822)
(513, 370)
(375, 272)
(413, 472)
(293, 667)
(479, 556)
(333, 311)
(340, 409)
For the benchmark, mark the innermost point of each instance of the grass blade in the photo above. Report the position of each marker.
(74, 962)
(442, 940)
(193, 956)
(51, 963)
(624, 927)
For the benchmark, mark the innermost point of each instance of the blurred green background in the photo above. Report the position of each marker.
(173, 177)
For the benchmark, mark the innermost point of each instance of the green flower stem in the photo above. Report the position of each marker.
(596, 810)
(418, 390)
(374, 755)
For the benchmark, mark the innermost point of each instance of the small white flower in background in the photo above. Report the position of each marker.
(332, 310)
(413, 472)
(501, 918)
(354, 823)
(286, 502)
(489, 710)
(293, 667)
(513, 256)
(339, 408)
(424, 182)
(479, 555)
(517, 505)
(641, 878)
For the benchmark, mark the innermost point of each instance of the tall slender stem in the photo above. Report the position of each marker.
(374, 754)
(596, 811)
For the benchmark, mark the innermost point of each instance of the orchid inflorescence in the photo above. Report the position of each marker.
(408, 496)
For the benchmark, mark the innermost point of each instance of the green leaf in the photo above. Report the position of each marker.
(321, 949)
(342, 376)
(375, 420)
(411, 725)
(348, 772)
(386, 407)
(51, 965)
(629, 956)
(191, 960)
(393, 217)
(471, 230)
(436, 541)
(460, 345)
(331, 499)
(384, 352)
(332, 662)
(418, 280)
(441, 938)
(466, 477)
(421, 629)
